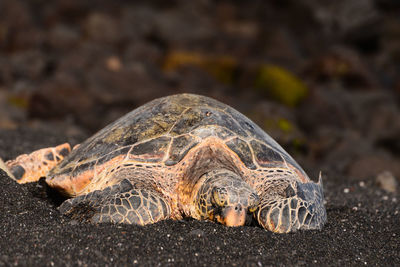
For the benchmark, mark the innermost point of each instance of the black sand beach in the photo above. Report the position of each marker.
(321, 77)
(363, 229)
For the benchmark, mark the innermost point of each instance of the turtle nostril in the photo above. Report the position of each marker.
(238, 208)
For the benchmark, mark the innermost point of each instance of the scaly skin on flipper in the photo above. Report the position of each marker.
(201, 158)
(120, 203)
(288, 205)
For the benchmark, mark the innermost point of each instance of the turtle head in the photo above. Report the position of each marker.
(225, 198)
(290, 205)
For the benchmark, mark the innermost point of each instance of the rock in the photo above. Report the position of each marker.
(384, 123)
(342, 17)
(387, 181)
(102, 28)
(146, 52)
(282, 47)
(356, 110)
(281, 85)
(142, 17)
(62, 36)
(344, 66)
(336, 148)
(278, 121)
(133, 83)
(12, 109)
(113, 63)
(61, 97)
(373, 165)
(18, 26)
(221, 67)
(184, 26)
(29, 65)
(191, 79)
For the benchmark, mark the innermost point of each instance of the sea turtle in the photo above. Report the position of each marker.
(179, 156)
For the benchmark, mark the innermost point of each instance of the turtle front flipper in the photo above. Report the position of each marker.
(292, 205)
(120, 203)
(31, 167)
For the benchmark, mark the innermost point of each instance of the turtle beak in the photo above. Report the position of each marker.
(232, 215)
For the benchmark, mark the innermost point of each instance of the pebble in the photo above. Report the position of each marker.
(113, 64)
(387, 181)
(197, 232)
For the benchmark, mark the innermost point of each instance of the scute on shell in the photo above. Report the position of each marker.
(164, 130)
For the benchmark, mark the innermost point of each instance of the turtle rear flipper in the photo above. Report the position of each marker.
(120, 203)
(31, 167)
(4, 167)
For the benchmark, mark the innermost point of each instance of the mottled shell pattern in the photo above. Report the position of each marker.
(158, 135)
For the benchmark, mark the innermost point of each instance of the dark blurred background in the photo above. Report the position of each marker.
(321, 77)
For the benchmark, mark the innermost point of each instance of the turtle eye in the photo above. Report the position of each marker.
(219, 196)
(289, 191)
(254, 201)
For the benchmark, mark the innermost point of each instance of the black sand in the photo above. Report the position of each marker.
(363, 229)
(69, 67)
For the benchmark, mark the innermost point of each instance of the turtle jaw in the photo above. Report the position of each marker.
(301, 208)
(232, 215)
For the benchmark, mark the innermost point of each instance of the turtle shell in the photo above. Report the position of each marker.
(162, 132)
